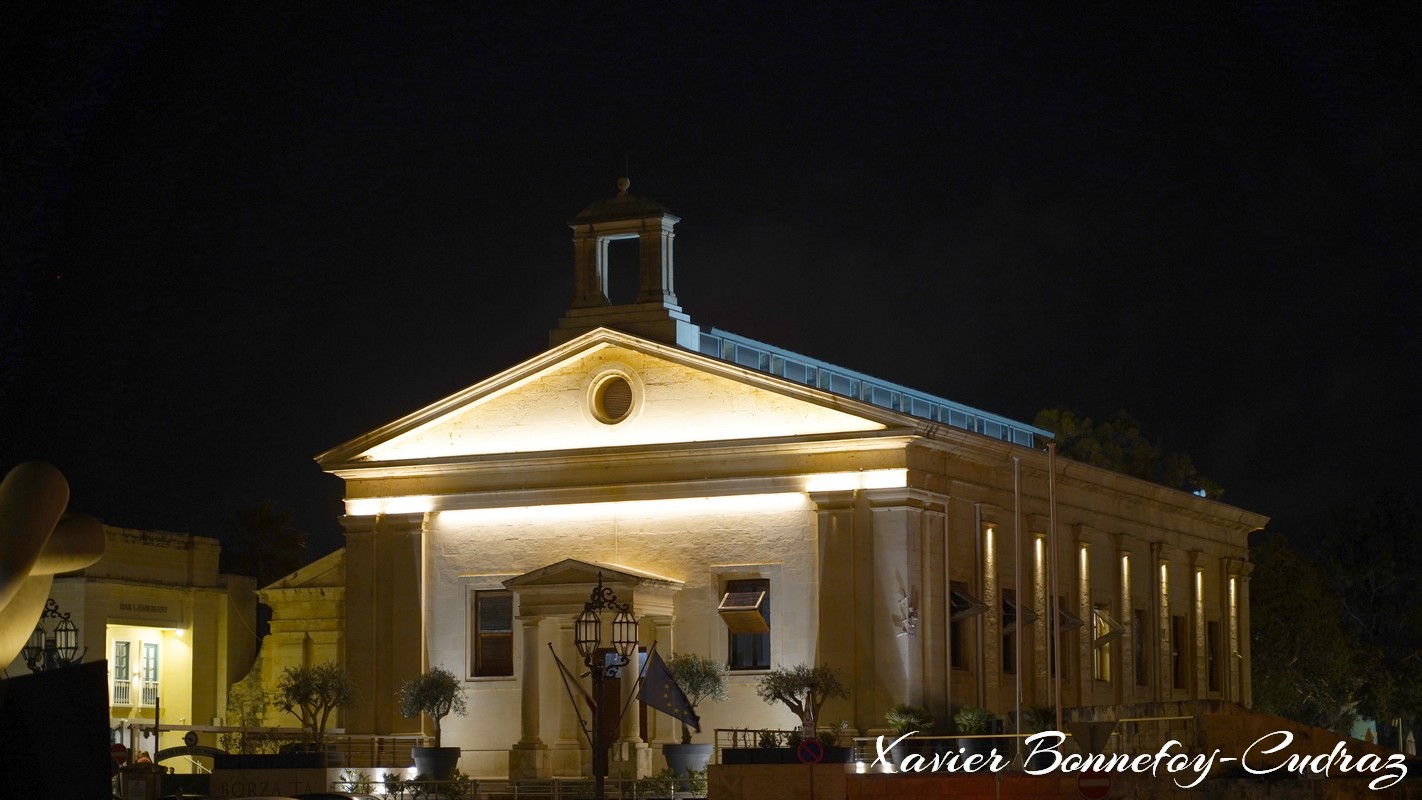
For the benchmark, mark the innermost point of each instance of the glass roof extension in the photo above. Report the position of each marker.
(848, 383)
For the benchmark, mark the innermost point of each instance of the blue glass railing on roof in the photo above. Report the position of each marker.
(848, 383)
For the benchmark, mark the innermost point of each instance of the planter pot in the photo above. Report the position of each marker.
(838, 755)
(686, 758)
(436, 763)
(760, 755)
(897, 754)
(982, 746)
(737, 755)
(683, 758)
(1038, 761)
(900, 751)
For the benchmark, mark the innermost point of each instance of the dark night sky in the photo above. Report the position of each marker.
(236, 236)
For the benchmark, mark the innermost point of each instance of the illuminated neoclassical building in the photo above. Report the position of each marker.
(853, 522)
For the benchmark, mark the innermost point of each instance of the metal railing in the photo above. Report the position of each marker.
(849, 383)
(749, 738)
(545, 789)
(371, 751)
(122, 692)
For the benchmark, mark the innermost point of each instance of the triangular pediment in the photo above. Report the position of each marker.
(576, 572)
(608, 389)
(327, 571)
(565, 587)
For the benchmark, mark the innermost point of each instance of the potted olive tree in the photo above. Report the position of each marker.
(700, 678)
(802, 689)
(437, 693)
(312, 694)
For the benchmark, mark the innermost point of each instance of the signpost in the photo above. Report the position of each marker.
(810, 751)
(118, 753)
(1093, 785)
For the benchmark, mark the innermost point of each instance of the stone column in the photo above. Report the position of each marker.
(1125, 614)
(989, 630)
(1160, 577)
(384, 615)
(629, 753)
(932, 624)
(842, 622)
(1086, 634)
(895, 589)
(589, 268)
(1040, 603)
(1199, 685)
(661, 728)
(655, 263)
(529, 757)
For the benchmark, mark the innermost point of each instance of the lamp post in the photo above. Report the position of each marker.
(587, 634)
(47, 649)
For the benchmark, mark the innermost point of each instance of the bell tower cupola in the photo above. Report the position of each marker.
(653, 313)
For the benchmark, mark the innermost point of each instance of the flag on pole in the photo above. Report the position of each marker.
(659, 690)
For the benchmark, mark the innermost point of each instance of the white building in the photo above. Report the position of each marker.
(684, 464)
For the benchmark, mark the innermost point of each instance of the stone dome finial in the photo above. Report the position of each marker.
(622, 184)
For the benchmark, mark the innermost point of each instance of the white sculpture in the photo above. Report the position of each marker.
(37, 541)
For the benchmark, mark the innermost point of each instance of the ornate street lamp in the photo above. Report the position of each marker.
(587, 634)
(46, 649)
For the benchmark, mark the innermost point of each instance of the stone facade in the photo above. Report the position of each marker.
(307, 627)
(889, 537)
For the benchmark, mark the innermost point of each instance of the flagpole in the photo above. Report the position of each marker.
(1018, 594)
(641, 672)
(568, 682)
(1056, 610)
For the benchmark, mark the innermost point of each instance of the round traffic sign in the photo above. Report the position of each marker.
(118, 753)
(810, 751)
(1093, 785)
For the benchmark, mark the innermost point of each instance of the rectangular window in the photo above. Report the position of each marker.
(748, 650)
(1138, 646)
(150, 673)
(492, 644)
(964, 607)
(1009, 631)
(121, 674)
(1177, 652)
(1104, 632)
(1213, 664)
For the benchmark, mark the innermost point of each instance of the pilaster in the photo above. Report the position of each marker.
(384, 615)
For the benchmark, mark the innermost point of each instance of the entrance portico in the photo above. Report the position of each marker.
(548, 599)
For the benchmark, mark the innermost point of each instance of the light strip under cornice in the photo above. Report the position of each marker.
(818, 482)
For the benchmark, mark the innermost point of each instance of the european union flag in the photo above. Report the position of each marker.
(659, 690)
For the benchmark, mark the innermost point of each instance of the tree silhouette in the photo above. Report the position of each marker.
(265, 544)
(1118, 445)
(1315, 672)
